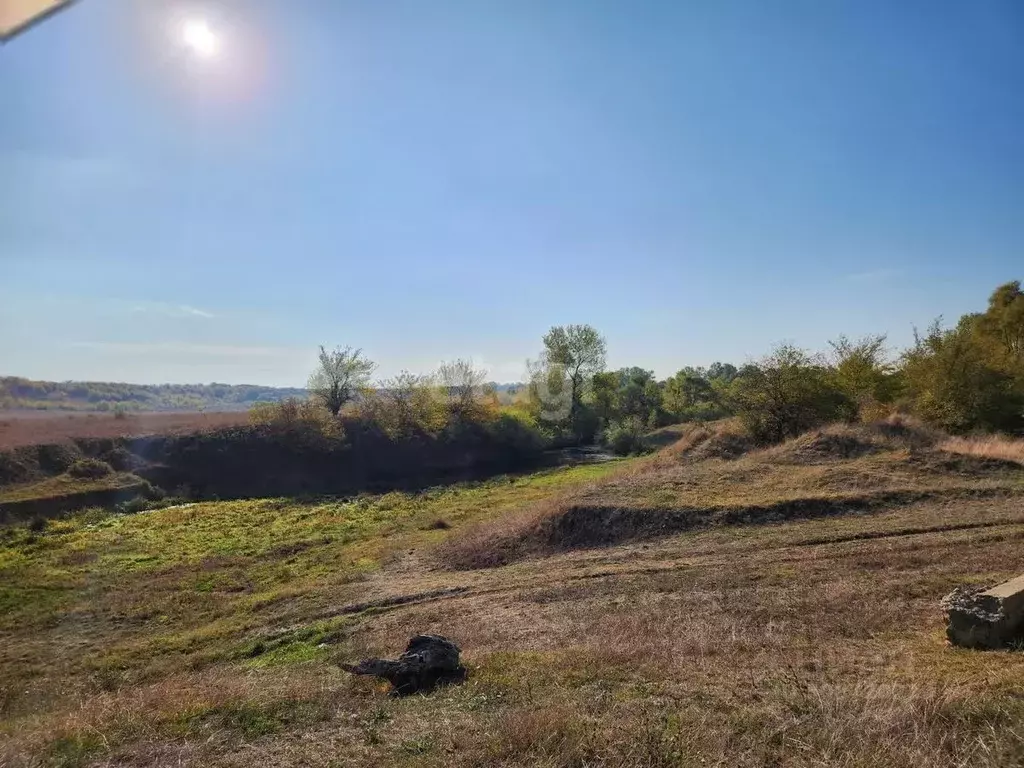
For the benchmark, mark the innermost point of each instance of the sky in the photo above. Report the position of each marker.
(433, 179)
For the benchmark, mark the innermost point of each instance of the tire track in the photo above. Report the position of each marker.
(465, 592)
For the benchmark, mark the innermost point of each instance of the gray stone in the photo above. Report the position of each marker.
(428, 661)
(985, 618)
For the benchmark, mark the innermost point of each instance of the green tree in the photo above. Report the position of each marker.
(547, 394)
(721, 372)
(862, 371)
(699, 393)
(639, 396)
(686, 390)
(1003, 323)
(785, 393)
(579, 351)
(604, 395)
(339, 376)
(953, 381)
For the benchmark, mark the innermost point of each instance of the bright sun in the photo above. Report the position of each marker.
(198, 38)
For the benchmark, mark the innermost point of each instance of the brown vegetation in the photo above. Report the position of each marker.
(988, 446)
(19, 428)
(713, 476)
(793, 620)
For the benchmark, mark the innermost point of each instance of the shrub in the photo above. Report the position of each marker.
(953, 381)
(90, 469)
(626, 437)
(300, 418)
(525, 419)
(518, 431)
(862, 372)
(408, 405)
(14, 468)
(462, 385)
(586, 424)
(153, 492)
(787, 393)
(120, 458)
(56, 457)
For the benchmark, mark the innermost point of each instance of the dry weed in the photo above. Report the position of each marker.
(988, 447)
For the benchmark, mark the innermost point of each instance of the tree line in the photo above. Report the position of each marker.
(969, 377)
(25, 394)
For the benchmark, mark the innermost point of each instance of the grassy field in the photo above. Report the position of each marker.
(775, 608)
(18, 428)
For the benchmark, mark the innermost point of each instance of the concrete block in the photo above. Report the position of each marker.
(986, 618)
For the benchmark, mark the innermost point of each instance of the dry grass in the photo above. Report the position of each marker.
(713, 476)
(806, 642)
(706, 649)
(989, 447)
(19, 428)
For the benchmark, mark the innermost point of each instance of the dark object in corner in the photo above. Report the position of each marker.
(986, 618)
(428, 661)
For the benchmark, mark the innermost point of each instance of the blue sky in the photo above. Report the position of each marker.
(430, 179)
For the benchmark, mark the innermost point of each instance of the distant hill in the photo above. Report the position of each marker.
(25, 394)
(18, 394)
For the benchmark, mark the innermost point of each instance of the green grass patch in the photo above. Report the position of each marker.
(185, 586)
(73, 750)
(67, 485)
(295, 646)
(251, 720)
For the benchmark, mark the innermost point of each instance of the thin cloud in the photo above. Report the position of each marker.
(875, 275)
(173, 310)
(194, 312)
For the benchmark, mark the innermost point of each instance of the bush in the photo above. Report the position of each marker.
(862, 372)
(409, 405)
(787, 393)
(120, 458)
(153, 492)
(518, 431)
(587, 425)
(298, 418)
(56, 457)
(626, 437)
(952, 380)
(91, 469)
(14, 468)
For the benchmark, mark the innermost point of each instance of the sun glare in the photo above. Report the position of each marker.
(199, 38)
